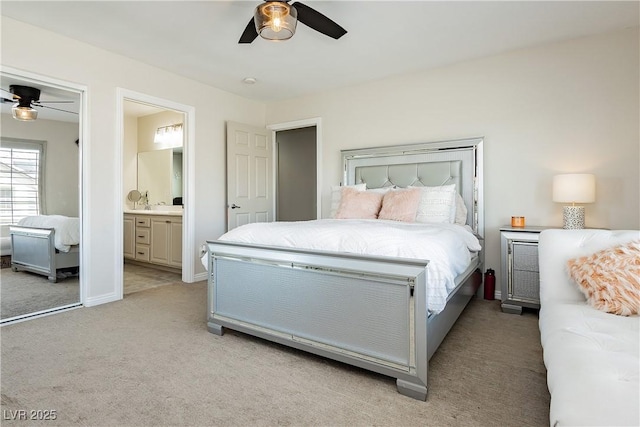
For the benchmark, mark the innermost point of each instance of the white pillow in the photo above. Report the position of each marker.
(461, 210)
(437, 204)
(336, 195)
(382, 190)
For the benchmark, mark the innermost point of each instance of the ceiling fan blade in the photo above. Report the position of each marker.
(57, 109)
(7, 100)
(249, 33)
(52, 102)
(314, 19)
(7, 93)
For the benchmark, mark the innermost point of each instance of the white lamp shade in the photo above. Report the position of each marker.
(574, 188)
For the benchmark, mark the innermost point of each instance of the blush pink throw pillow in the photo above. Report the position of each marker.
(356, 204)
(401, 205)
(610, 278)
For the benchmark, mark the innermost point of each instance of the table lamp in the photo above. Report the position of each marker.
(574, 188)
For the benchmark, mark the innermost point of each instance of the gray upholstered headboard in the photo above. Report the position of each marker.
(431, 164)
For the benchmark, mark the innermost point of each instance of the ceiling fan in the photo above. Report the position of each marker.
(25, 99)
(276, 20)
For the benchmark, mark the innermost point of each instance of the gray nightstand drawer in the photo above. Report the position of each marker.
(525, 255)
(525, 286)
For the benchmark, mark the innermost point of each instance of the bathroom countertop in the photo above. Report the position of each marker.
(154, 212)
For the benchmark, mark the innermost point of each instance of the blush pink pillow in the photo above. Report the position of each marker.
(401, 205)
(610, 278)
(356, 204)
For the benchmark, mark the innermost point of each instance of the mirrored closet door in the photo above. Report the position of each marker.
(40, 157)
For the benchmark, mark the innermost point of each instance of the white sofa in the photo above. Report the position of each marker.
(592, 357)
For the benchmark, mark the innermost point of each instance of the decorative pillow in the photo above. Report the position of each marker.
(356, 204)
(461, 210)
(400, 205)
(437, 204)
(336, 194)
(610, 278)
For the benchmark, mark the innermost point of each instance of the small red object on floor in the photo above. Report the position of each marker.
(489, 284)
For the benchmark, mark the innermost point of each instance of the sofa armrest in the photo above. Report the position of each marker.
(557, 246)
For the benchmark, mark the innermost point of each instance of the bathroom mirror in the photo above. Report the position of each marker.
(160, 176)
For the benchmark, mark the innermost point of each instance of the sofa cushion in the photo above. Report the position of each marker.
(592, 365)
(592, 357)
(610, 278)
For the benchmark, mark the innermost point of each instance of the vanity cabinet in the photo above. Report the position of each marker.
(166, 241)
(155, 239)
(129, 229)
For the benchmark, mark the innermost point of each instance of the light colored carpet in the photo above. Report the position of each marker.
(148, 360)
(22, 293)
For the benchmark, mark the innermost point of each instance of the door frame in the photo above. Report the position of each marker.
(188, 174)
(83, 167)
(297, 124)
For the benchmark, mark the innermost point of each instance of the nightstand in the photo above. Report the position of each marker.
(519, 278)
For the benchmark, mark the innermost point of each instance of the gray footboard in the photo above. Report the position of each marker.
(33, 249)
(357, 310)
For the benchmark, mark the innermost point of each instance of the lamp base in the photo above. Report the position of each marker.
(573, 217)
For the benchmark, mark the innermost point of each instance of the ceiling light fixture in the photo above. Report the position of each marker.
(171, 134)
(249, 80)
(24, 95)
(275, 20)
(24, 113)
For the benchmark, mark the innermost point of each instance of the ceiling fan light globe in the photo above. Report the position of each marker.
(275, 20)
(24, 114)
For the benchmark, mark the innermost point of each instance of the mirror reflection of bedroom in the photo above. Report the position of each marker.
(39, 198)
(153, 205)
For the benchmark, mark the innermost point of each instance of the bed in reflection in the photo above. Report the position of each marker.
(46, 245)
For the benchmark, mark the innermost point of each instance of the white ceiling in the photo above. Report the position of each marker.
(199, 39)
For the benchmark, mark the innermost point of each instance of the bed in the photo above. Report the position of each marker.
(370, 311)
(45, 244)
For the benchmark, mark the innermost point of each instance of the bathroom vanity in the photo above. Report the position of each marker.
(153, 236)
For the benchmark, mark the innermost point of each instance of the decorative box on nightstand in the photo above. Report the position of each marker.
(519, 278)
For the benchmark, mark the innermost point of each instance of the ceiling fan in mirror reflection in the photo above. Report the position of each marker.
(26, 99)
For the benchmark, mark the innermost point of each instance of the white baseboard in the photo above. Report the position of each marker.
(200, 276)
(102, 299)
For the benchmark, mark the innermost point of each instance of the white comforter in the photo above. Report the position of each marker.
(446, 246)
(67, 229)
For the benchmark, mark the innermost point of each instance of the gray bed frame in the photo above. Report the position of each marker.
(33, 249)
(366, 311)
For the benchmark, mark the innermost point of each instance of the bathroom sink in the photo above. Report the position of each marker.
(166, 208)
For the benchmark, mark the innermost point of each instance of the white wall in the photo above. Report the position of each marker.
(129, 159)
(34, 50)
(61, 180)
(564, 107)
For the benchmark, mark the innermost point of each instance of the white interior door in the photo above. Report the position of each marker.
(250, 189)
